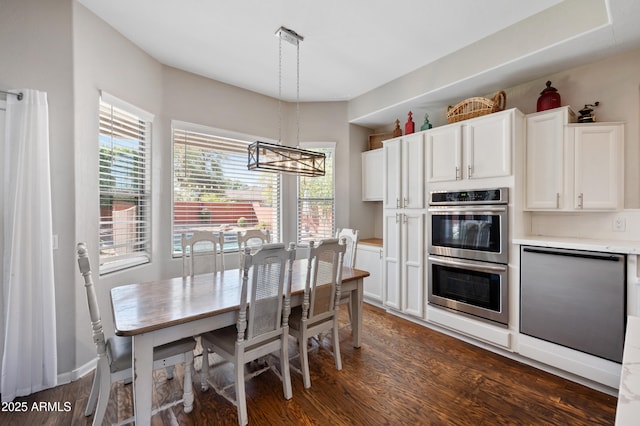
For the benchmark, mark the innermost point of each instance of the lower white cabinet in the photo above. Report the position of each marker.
(369, 258)
(403, 267)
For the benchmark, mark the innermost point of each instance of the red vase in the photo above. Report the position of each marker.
(549, 98)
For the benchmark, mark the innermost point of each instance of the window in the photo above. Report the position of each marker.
(124, 139)
(214, 191)
(316, 199)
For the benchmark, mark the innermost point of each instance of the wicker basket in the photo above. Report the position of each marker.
(476, 107)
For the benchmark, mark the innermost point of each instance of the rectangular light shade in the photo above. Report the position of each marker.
(285, 159)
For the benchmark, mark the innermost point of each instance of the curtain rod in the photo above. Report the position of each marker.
(19, 95)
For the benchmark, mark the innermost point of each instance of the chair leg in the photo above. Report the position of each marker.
(105, 389)
(93, 396)
(304, 359)
(336, 344)
(187, 396)
(204, 371)
(285, 372)
(241, 399)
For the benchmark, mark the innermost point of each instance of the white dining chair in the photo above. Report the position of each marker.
(262, 325)
(253, 239)
(351, 237)
(319, 311)
(114, 355)
(205, 246)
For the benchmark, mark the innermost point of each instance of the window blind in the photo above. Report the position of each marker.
(316, 201)
(124, 188)
(213, 190)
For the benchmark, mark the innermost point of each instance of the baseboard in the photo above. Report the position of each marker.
(73, 375)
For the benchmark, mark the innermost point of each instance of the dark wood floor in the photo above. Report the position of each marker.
(404, 374)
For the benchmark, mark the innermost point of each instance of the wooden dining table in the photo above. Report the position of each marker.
(157, 312)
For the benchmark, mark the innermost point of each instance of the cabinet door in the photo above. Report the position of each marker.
(444, 153)
(413, 263)
(392, 258)
(391, 170)
(488, 146)
(413, 172)
(370, 259)
(372, 182)
(545, 160)
(598, 166)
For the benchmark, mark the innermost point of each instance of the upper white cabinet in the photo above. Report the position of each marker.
(372, 183)
(573, 166)
(545, 155)
(403, 172)
(598, 165)
(473, 149)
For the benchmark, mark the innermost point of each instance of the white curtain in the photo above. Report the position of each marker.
(29, 359)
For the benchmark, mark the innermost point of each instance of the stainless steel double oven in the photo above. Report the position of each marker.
(468, 252)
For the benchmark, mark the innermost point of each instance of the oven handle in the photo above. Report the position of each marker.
(466, 209)
(466, 265)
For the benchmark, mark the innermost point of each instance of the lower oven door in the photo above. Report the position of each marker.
(475, 288)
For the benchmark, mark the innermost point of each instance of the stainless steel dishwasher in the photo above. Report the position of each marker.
(574, 298)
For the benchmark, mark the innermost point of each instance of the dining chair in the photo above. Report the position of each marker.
(211, 247)
(114, 355)
(266, 329)
(319, 311)
(252, 238)
(351, 236)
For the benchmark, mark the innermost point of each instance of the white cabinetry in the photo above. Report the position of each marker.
(403, 172)
(473, 149)
(545, 158)
(573, 166)
(369, 259)
(598, 166)
(372, 183)
(403, 267)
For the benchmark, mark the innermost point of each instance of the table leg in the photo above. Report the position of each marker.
(142, 353)
(357, 297)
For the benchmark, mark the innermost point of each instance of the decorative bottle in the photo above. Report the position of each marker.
(409, 126)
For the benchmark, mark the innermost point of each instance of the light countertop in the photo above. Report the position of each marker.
(628, 410)
(371, 242)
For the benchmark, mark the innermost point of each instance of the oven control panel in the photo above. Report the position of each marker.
(475, 196)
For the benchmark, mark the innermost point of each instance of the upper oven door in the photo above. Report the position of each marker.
(469, 232)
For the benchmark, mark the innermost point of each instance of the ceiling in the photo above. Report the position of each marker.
(350, 47)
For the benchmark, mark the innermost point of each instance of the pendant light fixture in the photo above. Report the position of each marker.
(280, 158)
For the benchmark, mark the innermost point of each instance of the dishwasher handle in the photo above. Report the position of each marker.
(595, 256)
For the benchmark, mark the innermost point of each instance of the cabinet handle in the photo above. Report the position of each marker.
(469, 171)
(397, 217)
(557, 200)
(581, 200)
(380, 253)
(405, 202)
(397, 203)
(458, 173)
(404, 218)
